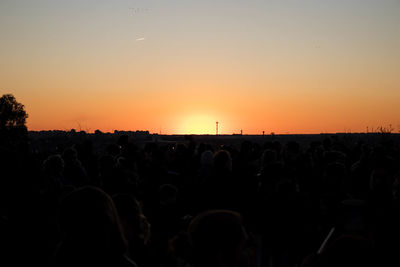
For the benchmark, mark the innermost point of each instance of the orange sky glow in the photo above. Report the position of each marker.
(273, 66)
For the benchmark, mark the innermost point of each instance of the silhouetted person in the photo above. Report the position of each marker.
(74, 172)
(220, 189)
(219, 240)
(91, 231)
(135, 227)
(53, 168)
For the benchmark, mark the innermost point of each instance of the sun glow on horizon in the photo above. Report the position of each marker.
(198, 124)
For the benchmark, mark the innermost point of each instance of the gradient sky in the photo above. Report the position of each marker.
(283, 66)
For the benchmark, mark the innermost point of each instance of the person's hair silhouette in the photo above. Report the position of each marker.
(218, 239)
(91, 231)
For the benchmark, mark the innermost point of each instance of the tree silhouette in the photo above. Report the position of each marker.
(12, 113)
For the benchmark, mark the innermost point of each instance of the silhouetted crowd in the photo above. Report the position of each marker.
(333, 202)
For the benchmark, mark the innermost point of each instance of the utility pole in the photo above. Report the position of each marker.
(217, 128)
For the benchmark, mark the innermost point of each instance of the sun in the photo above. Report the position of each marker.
(198, 124)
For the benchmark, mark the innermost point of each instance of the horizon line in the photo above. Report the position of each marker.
(203, 134)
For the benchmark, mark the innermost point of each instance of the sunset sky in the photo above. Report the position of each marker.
(283, 66)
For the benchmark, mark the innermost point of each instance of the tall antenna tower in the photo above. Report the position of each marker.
(217, 128)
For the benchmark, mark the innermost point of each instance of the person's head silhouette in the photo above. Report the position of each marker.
(218, 239)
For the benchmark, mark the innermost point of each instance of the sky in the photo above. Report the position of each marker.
(177, 67)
